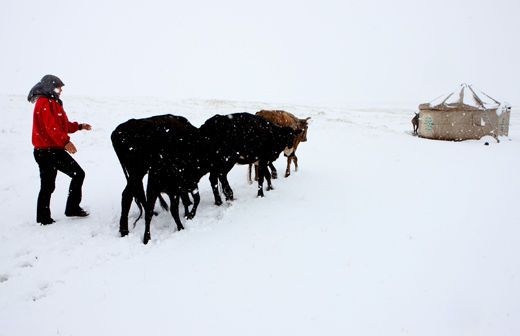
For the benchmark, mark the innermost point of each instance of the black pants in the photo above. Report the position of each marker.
(50, 161)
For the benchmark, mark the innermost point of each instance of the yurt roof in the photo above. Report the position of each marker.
(464, 97)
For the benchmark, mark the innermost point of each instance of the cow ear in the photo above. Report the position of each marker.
(306, 119)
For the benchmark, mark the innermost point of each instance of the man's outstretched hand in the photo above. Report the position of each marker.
(86, 127)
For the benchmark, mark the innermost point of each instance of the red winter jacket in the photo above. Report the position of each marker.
(51, 125)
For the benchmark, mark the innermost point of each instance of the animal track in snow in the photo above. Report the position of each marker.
(26, 264)
(43, 288)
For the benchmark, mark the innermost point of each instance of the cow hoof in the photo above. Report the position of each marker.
(218, 202)
(287, 175)
(260, 194)
(124, 233)
(179, 228)
(269, 188)
(274, 175)
(146, 239)
(190, 216)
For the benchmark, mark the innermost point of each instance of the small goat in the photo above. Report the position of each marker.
(415, 123)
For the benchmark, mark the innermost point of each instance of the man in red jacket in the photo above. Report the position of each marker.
(52, 147)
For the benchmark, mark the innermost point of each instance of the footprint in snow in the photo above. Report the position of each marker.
(3, 278)
(43, 288)
(26, 264)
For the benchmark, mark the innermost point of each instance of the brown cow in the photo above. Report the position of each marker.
(284, 119)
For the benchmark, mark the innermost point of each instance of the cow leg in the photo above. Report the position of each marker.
(226, 188)
(148, 211)
(213, 180)
(288, 169)
(262, 168)
(274, 173)
(174, 209)
(268, 178)
(186, 202)
(291, 158)
(126, 202)
(196, 201)
(256, 171)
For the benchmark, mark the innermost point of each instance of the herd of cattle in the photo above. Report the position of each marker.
(175, 155)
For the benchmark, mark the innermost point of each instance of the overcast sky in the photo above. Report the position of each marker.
(316, 52)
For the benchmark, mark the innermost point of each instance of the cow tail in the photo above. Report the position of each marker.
(127, 176)
(249, 180)
(140, 211)
(164, 205)
(139, 198)
(141, 204)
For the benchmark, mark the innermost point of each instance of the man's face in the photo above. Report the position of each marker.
(58, 90)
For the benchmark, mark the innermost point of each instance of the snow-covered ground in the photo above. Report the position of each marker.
(378, 233)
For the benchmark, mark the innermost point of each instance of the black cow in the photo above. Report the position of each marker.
(176, 176)
(137, 143)
(242, 138)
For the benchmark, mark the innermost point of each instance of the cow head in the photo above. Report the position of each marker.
(303, 125)
(290, 140)
(300, 135)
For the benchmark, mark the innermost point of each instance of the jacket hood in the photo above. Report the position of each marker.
(45, 87)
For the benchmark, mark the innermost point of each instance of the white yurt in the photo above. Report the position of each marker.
(466, 113)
